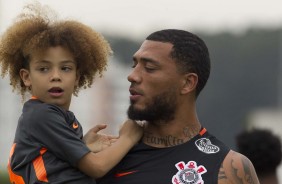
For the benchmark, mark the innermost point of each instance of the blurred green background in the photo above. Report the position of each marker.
(4, 177)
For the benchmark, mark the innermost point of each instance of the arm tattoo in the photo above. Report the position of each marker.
(246, 176)
(234, 172)
(247, 170)
(221, 174)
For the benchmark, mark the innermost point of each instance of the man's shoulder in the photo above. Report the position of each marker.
(237, 168)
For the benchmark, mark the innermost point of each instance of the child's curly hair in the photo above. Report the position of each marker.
(33, 30)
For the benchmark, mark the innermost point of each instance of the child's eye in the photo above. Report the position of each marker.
(43, 69)
(66, 68)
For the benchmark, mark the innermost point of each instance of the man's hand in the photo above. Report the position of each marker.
(98, 142)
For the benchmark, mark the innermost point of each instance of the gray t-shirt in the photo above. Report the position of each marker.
(47, 146)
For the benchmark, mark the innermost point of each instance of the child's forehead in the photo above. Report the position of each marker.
(52, 54)
(52, 51)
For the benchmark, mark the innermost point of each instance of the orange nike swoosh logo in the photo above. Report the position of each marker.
(75, 125)
(117, 175)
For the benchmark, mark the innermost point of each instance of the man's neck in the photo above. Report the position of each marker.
(169, 134)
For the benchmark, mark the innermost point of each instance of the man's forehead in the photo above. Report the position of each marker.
(154, 52)
(156, 44)
(149, 47)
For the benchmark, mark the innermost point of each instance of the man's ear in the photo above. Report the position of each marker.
(25, 76)
(190, 82)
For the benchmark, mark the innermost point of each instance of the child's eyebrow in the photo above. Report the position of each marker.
(42, 61)
(68, 61)
(62, 62)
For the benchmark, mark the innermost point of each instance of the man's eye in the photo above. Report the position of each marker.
(149, 69)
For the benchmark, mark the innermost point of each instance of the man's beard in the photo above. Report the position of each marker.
(161, 109)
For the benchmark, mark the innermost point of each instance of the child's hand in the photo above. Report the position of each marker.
(98, 142)
(132, 130)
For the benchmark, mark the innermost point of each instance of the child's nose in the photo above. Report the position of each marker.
(56, 75)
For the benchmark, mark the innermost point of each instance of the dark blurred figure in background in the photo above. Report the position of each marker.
(263, 148)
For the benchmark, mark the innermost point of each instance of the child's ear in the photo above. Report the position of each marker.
(77, 78)
(190, 82)
(24, 73)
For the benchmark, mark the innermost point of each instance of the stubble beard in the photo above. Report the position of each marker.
(161, 109)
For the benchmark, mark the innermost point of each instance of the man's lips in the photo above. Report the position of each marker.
(56, 91)
(134, 94)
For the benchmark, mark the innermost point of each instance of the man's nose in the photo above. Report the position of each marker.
(134, 76)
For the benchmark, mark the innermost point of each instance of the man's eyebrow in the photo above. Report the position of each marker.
(146, 60)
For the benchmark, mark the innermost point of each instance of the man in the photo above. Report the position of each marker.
(169, 71)
(268, 152)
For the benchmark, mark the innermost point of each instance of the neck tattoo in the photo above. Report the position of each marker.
(170, 140)
(190, 132)
(166, 141)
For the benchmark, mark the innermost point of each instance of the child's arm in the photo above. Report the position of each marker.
(98, 164)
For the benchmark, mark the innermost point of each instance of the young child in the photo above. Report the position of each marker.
(52, 60)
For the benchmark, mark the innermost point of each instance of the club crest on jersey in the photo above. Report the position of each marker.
(189, 173)
(206, 146)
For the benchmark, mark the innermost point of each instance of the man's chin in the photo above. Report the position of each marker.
(134, 113)
(135, 107)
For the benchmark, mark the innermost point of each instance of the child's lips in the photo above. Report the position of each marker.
(56, 91)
